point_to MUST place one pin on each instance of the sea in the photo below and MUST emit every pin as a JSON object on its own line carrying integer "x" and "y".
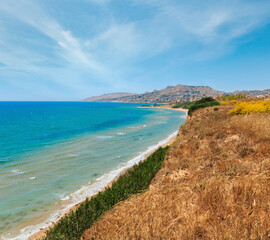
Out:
{"x": 55, "y": 154}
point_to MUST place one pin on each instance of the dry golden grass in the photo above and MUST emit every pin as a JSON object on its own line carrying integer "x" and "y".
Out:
{"x": 215, "y": 184}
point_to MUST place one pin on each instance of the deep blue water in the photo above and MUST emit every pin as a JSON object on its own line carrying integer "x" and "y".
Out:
{"x": 25, "y": 126}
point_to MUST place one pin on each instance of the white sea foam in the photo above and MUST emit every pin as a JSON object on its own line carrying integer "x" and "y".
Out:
{"x": 16, "y": 171}
{"x": 32, "y": 178}
{"x": 120, "y": 133}
{"x": 104, "y": 137}
{"x": 65, "y": 198}
{"x": 87, "y": 191}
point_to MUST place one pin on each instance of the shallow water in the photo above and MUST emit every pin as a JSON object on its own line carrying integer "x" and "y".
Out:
{"x": 54, "y": 154}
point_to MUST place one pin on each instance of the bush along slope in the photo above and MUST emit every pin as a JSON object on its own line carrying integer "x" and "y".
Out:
{"x": 133, "y": 181}
{"x": 185, "y": 105}
{"x": 202, "y": 103}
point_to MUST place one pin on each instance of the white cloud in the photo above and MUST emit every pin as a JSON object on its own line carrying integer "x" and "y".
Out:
{"x": 172, "y": 24}
{"x": 200, "y": 30}
{"x": 75, "y": 68}
{"x": 195, "y": 30}
{"x": 125, "y": 43}
{"x": 71, "y": 48}
{"x": 209, "y": 23}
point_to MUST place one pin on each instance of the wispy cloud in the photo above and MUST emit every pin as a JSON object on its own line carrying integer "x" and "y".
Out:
{"x": 114, "y": 53}
{"x": 69, "y": 65}
{"x": 71, "y": 48}
{"x": 210, "y": 23}
{"x": 194, "y": 26}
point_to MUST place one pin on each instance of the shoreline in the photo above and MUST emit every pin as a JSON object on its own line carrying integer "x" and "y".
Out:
{"x": 34, "y": 231}
{"x": 166, "y": 107}
{"x": 167, "y": 141}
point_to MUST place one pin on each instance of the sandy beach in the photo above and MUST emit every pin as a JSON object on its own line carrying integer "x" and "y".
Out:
{"x": 167, "y": 107}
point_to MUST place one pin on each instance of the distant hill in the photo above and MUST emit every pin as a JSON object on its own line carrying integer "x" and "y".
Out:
{"x": 254, "y": 93}
{"x": 170, "y": 94}
{"x": 110, "y": 97}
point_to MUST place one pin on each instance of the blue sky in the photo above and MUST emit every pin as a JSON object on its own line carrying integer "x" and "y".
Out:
{"x": 72, "y": 49}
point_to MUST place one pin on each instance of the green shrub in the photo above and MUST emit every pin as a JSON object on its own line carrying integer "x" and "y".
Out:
{"x": 202, "y": 103}
{"x": 215, "y": 108}
{"x": 205, "y": 100}
{"x": 145, "y": 105}
{"x": 133, "y": 181}
{"x": 185, "y": 105}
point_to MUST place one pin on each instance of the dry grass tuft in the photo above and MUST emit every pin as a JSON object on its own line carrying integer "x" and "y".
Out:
{"x": 215, "y": 184}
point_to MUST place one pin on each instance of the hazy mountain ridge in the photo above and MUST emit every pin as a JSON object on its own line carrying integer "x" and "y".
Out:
{"x": 254, "y": 93}
{"x": 108, "y": 97}
{"x": 170, "y": 94}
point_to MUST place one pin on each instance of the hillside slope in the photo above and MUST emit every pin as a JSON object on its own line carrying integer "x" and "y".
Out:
{"x": 110, "y": 97}
{"x": 254, "y": 93}
{"x": 168, "y": 94}
{"x": 215, "y": 184}
{"x": 176, "y": 93}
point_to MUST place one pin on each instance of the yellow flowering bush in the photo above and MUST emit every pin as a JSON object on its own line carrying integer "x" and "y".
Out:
{"x": 251, "y": 107}
{"x": 224, "y": 103}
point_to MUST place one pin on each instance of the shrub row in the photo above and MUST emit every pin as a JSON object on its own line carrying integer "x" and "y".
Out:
{"x": 185, "y": 105}
{"x": 202, "y": 103}
{"x": 133, "y": 181}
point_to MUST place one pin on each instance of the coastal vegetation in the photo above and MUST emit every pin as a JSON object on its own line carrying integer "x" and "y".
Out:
{"x": 135, "y": 180}
{"x": 214, "y": 184}
{"x": 194, "y": 105}
{"x": 184, "y": 105}
{"x": 231, "y": 97}
{"x": 261, "y": 106}
{"x": 202, "y": 103}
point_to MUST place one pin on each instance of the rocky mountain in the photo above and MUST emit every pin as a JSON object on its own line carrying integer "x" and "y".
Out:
{"x": 254, "y": 93}
{"x": 171, "y": 94}
{"x": 168, "y": 94}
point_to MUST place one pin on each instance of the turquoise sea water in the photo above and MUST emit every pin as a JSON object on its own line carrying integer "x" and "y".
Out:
{"x": 54, "y": 154}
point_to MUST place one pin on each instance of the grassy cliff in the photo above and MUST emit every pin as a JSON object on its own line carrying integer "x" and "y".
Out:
{"x": 135, "y": 180}
{"x": 214, "y": 184}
